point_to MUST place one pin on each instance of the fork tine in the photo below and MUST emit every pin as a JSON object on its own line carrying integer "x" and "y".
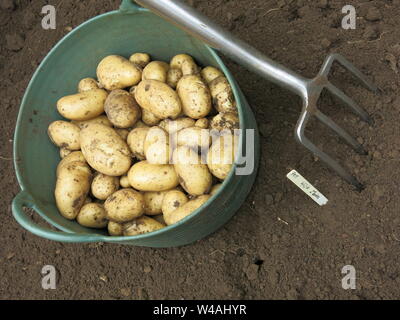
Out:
{"x": 349, "y": 66}
{"x": 302, "y": 139}
{"x": 350, "y": 102}
{"x": 341, "y": 132}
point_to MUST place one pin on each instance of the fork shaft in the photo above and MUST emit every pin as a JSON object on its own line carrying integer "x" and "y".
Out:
{"x": 204, "y": 29}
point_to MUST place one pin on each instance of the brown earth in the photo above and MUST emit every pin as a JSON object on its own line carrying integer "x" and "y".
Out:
{"x": 280, "y": 245}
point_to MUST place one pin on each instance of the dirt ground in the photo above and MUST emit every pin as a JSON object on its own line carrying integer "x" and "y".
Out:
{"x": 280, "y": 245}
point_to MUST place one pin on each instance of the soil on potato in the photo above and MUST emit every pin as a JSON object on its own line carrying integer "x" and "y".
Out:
{"x": 280, "y": 245}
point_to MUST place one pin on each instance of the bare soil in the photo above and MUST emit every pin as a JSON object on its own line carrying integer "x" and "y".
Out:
{"x": 280, "y": 245}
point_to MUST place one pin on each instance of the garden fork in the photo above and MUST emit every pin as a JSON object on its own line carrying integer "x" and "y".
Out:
{"x": 309, "y": 90}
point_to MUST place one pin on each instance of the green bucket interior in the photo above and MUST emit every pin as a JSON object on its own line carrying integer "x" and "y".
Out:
{"x": 75, "y": 57}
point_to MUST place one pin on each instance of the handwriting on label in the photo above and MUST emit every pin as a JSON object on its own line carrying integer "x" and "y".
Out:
{"x": 307, "y": 187}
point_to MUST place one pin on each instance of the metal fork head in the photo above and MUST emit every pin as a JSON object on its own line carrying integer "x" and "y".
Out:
{"x": 311, "y": 96}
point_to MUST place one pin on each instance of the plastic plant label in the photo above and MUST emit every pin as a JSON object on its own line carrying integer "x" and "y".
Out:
{"x": 307, "y": 187}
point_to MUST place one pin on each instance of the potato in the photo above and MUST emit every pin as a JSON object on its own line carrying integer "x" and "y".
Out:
{"x": 156, "y": 70}
{"x": 92, "y": 215}
{"x": 210, "y": 73}
{"x": 153, "y": 202}
{"x": 116, "y": 72}
{"x": 222, "y": 95}
{"x": 136, "y": 140}
{"x": 194, "y": 137}
{"x": 87, "y": 84}
{"x": 158, "y": 98}
{"x": 173, "y": 77}
{"x": 221, "y": 155}
{"x": 82, "y": 106}
{"x": 104, "y": 186}
{"x": 149, "y": 118}
{"x": 121, "y": 108}
{"x": 215, "y": 189}
{"x": 202, "y": 123}
{"x": 124, "y": 205}
{"x": 185, "y": 63}
{"x": 73, "y": 156}
{"x": 140, "y": 59}
{"x": 64, "y": 135}
{"x": 140, "y": 124}
{"x": 124, "y": 182}
{"x": 104, "y": 150}
{"x": 144, "y": 176}
{"x": 114, "y": 228}
{"x": 194, "y": 176}
{"x": 140, "y": 226}
{"x": 123, "y": 133}
{"x": 225, "y": 121}
{"x": 195, "y": 96}
{"x": 173, "y": 200}
{"x": 156, "y": 146}
{"x": 185, "y": 210}
{"x": 72, "y": 188}
{"x": 64, "y": 152}
{"x": 172, "y": 126}
{"x": 100, "y": 119}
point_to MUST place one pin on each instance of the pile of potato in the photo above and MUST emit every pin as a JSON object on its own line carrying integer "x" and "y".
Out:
{"x": 147, "y": 143}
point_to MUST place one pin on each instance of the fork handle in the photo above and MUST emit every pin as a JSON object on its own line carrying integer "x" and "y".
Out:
{"x": 198, "y": 25}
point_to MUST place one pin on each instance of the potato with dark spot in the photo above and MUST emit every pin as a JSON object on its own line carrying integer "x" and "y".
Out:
{"x": 194, "y": 176}
{"x": 105, "y": 151}
{"x": 104, "y": 186}
{"x": 225, "y": 121}
{"x": 185, "y": 210}
{"x": 122, "y": 109}
{"x": 195, "y": 96}
{"x": 72, "y": 188}
{"x": 124, "y": 205}
{"x": 222, "y": 95}
{"x": 158, "y": 98}
{"x": 114, "y": 229}
{"x": 116, "y": 72}
{"x": 65, "y": 135}
{"x": 92, "y": 215}
{"x": 154, "y": 201}
{"x": 141, "y": 225}
{"x": 156, "y": 70}
{"x": 87, "y": 84}
{"x": 173, "y": 77}
{"x": 140, "y": 59}
{"x": 82, "y": 106}
{"x": 172, "y": 200}
{"x": 144, "y": 176}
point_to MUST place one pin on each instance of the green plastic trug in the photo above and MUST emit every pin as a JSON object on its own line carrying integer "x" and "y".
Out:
{"x": 130, "y": 29}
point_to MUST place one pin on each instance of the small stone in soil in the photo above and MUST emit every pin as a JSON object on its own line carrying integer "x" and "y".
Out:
{"x": 325, "y": 43}
{"x": 373, "y": 14}
{"x": 147, "y": 269}
{"x": 126, "y": 292}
